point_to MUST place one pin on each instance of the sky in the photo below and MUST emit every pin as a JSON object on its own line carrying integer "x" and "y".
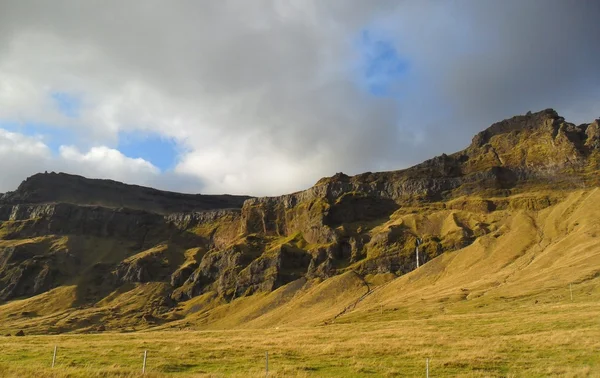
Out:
{"x": 266, "y": 97}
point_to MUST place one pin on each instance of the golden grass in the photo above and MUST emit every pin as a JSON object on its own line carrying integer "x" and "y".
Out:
{"x": 515, "y": 339}
{"x": 500, "y": 307}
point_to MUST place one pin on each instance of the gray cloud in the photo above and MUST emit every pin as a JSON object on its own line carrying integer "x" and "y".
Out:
{"x": 264, "y": 95}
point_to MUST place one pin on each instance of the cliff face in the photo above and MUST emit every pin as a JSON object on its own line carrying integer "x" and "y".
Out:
{"x": 46, "y": 245}
{"x": 103, "y": 236}
{"x": 538, "y": 149}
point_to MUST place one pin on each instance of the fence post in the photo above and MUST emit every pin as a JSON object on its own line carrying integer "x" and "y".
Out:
{"x": 54, "y": 356}
{"x": 427, "y": 368}
{"x": 144, "y": 365}
{"x": 266, "y": 364}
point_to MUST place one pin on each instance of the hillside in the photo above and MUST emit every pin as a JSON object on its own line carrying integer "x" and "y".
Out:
{"x": 513, "y": 217}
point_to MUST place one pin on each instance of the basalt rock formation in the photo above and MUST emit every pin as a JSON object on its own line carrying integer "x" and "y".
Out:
{"x": 104, "y": 237}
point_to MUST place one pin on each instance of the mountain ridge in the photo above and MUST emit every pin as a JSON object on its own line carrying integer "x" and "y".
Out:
{"x": 584, "y": 138}
{"x": 62, "y": 187}
{"x": 366, "y": 225}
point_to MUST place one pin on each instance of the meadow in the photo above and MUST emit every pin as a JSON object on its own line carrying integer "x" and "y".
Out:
{"x": 500, "y": 307}
{"x": 522, "y": 339}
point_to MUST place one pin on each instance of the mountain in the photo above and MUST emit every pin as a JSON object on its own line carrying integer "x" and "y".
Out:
{"x": 91, "y": 255}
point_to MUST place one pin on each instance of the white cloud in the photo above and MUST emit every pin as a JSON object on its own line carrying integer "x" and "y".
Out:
{"x": 107, "y": 162}
{"x": 246, "y": 166}
{"x": 262, "y": 97}
{"x": 22, "y": 145}
{"x": 20, "y": 156}
{"x": 23, "y": 156}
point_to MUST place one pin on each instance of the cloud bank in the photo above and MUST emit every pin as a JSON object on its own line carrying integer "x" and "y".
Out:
{"x": 266, "y": 97}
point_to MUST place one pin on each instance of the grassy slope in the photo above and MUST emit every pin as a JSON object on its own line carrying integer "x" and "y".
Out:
{"x": 499, "y": 307}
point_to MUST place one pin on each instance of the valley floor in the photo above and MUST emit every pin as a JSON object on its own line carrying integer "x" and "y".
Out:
{"x": 516, "y": 338}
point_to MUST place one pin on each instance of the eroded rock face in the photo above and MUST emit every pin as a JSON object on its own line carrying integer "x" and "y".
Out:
{"x": 68, "y": 219}
{"x": 272, "y": 270}
{"x": 60, "y": 242}
{"x": 217, "y": 271}
{"x": 191, "y": 219}
{"x": 29, "y": 269}
{"x": 144, "y": 267}
{"x": 592, "y": 132}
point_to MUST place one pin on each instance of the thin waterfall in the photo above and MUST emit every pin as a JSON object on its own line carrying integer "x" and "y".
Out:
{"x": 417, "y": 250}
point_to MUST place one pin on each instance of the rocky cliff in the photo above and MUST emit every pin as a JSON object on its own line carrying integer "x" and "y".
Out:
{"x": 102, "y": 237}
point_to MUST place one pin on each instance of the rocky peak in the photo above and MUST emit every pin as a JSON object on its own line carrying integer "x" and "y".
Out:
{"x": 592, "y": 132}
{"x": 338, "y": 177}
{"x": 547, "y": 118}
{"x": 536, "y": 143}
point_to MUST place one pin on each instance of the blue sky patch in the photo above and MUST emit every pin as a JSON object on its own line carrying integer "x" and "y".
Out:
{"x": 53, "y": 137}
{"x": 68, "y": 104}
{"x": 160, "y": 151}
{"x": 381, "y": 65}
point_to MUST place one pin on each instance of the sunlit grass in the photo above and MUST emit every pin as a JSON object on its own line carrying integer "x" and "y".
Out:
{"x": 500, "y": 307}
{"x": 560, "y": 339}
